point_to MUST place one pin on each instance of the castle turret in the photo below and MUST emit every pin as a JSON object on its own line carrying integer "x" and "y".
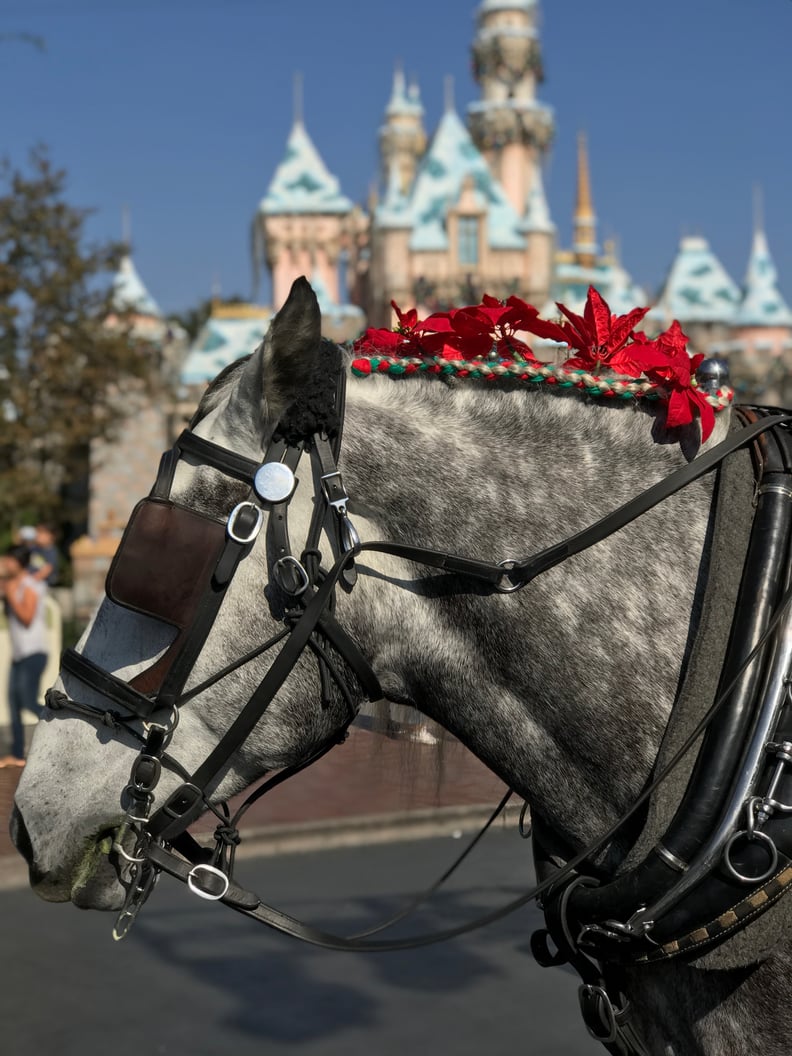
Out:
{"x": 402, "y": 137}
{"x": 508, "y": 124}
{"x": 304, "y": 224}
{"x": 762, "y": 347}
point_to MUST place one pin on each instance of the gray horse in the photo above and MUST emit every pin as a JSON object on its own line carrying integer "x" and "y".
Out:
{"x": 563, "y": 689}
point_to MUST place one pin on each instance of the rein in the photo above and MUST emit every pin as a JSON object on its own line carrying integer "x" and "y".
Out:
{"x": 308, "y": 592}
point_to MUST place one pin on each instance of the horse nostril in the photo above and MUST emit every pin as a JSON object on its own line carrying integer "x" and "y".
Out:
{"x": 19, "y": 835}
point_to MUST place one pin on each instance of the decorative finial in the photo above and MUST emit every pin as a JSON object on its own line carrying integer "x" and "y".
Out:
{"x": 449, "y": 93}
{"x": 758, "y": 208}
{"x": 126, "y": 227}
{"x": 298, "y": 98}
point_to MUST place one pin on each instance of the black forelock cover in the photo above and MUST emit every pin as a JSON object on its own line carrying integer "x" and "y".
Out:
{"x": 314, "y": 410}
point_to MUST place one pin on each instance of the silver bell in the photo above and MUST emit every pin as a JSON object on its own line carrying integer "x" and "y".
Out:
{"x": 713, "y": 374}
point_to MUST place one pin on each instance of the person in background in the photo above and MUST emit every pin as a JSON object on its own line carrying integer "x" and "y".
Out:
{"x": 23, "y": 597}
{"x": 44, "y": 555}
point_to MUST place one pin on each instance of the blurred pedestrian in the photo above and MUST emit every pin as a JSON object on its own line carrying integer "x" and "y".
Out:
{"x": 23, "y": 598}
{"x": 44, "y": 555}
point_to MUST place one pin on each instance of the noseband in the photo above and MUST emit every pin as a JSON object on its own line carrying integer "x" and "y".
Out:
{"x": 176, "y": 564}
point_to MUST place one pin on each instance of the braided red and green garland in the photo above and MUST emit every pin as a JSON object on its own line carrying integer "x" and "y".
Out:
{"x": 480, "y": 341}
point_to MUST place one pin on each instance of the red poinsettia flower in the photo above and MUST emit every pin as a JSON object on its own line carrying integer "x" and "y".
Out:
{"x": 401, "y": 341}
{"x": 667, "y": 362}
{"x": 407, "y": 320}
{"x": 492, "y": 326}
{"x": 598, "y": 336}
{"x": 377, "y": 342}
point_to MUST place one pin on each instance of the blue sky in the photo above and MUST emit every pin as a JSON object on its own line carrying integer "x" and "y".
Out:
{"x": 180, "y": 109}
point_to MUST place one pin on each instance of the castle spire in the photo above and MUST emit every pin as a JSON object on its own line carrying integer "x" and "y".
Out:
{"x": 402, "y": 137}
{"x": 585, "y": 221}
{"x": 448, "y": 93}
{"x": 762, "y": 303}
{"x": 297, "y": 102}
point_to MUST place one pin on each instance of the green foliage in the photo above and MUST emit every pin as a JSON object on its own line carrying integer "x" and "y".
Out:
{"x": 66, "y": 355}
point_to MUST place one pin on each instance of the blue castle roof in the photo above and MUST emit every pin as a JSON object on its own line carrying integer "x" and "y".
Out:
{"x": 129, "y": 292}
{"x": 698, "y": 288}
{"x": 451, "y": 158}
{"x": 220, "y": 342}
{"x": 762, "y": 303}
{"x": 302, "y": 182}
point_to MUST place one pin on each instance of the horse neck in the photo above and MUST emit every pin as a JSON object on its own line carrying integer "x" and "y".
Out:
{"x": 563, "y": 689}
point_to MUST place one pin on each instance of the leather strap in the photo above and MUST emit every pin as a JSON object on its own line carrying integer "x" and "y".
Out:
{"x": 228, "y": 462}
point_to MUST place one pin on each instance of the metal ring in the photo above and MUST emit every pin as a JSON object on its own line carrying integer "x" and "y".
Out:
{"x": 169, "y": 727}
{"x": 212, "y": 870}
{"x": 350, "y": 540}
{"x": 595, "y": 1001}
{"x": 522, "y": 828}
{"x": 120, "y": 850}
{"x": 504, "y": 584}
{"x": 770, "y": 847}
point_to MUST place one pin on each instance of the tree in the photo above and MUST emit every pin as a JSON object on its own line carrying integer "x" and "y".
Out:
{"x": 62, "y": 364}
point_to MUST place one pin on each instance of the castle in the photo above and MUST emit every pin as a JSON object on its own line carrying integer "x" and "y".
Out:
{"x": 457, "y": 214}
{"x": 464, "y": 212}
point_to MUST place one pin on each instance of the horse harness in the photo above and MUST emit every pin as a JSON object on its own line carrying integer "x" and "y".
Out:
{"x": 717, "y": 866}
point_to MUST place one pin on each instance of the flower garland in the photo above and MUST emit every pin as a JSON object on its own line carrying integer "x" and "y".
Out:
{"x": 480, "y": 341}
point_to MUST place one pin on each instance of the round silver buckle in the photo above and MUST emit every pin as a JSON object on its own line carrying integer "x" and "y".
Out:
{"x": 210, "y": 870}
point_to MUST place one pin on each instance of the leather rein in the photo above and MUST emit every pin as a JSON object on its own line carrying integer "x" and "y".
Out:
{"x": 309, "y": 625}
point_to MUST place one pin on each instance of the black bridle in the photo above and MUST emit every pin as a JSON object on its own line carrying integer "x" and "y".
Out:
{"x": 309, "y": 624}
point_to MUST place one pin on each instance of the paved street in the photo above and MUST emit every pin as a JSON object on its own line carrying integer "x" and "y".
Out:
{"x": 196, "y": 979}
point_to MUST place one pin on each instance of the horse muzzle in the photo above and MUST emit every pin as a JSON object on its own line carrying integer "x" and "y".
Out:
{"x": 90, "y": 880}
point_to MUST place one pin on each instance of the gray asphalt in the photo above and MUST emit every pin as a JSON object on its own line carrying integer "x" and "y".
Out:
{"x": 196, "y": 979}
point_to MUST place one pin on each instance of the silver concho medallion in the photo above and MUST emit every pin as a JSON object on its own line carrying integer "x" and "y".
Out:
{"x": 274, "y": 482}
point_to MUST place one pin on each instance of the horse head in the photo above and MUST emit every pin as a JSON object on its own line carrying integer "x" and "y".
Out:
{"x": 540, "y": 684}
{"x": 71, "y": 799}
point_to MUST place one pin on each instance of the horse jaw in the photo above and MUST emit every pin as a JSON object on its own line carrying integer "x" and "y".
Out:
{"x": 66, "y": 834}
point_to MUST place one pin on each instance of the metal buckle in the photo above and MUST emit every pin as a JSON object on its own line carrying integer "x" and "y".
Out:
{"x": 213, "y": 871}
{"x": 231, "y": 524}
{"x": 350, "y": 540}
{"x": 341, "y": 502}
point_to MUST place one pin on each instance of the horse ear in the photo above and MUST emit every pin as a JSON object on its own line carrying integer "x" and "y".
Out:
{"x": 290, "y": 352}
